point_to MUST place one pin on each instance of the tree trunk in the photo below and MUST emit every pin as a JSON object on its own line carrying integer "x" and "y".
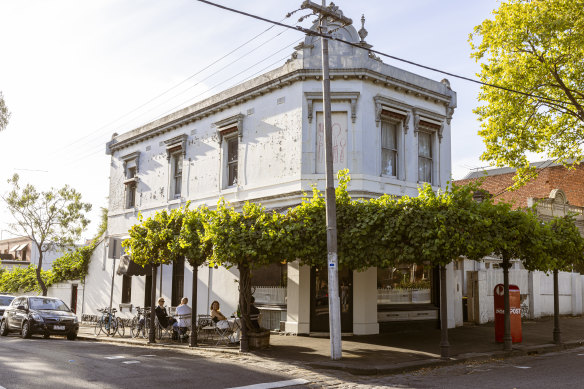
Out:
{"x": 444, "y": 344}
{"x": 193, "y": 342}
{"x": 244, "y": 301}
{"x": 507, "y": 340}
{"x": 152, "y": 332}
{"x": 557, "y": 332}
{"x": 38, "y": 273}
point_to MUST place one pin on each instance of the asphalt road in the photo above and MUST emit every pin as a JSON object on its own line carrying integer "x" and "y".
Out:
{"x": 553, "y": 370}
{"x": 59, "y": 363}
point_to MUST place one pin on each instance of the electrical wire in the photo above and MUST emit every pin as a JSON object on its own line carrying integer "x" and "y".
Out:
{"x": 316, "y": 33}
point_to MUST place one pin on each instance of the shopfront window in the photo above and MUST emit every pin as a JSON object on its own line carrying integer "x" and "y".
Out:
{"x": 404, "y": 284}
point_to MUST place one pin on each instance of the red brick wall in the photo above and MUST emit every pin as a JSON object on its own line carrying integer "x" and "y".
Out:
{"x": 556, "y": 177}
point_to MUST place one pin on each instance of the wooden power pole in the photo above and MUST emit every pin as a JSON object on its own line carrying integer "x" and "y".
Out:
{"x": 331, "y": 209}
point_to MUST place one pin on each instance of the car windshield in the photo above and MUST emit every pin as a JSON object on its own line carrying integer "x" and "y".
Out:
{"x": 47, "y": 304}
{"x": 6, "y": 300}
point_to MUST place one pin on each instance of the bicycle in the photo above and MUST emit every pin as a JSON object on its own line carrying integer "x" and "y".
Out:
{"x": 109, "y": 323}
{"x": 140, "y": 323}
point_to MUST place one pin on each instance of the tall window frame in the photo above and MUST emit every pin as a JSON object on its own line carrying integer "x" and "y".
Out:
{"x": 230, "y": 132}
{"x": 428, "y": 129}
{"x": 131, "y": 167}
{"x": 176, "y": 151}
{"x": 126, "y": 289}
{"x": 395, "y": 115}
{"x": 425, "y": 157}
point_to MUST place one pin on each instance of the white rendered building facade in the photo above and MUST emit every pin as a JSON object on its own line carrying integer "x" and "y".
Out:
{"x": 263, "y": 141}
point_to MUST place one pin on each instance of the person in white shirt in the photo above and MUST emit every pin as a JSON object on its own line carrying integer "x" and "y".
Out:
{"x": 183, "y": 315}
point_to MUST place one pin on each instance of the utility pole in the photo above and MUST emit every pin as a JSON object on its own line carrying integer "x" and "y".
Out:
{"x": 331, "y": 208}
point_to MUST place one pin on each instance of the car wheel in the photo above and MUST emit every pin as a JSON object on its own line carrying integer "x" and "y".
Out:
{"x": 3, "y": 328}
{"x": 71, "y": 336}
{"x": 25, "y": 332}
{"x": 46, "y": 335}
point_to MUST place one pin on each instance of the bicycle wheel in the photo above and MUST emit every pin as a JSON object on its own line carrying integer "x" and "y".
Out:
{"x": 111, "y": 326}
{"x": 146, "y": 328}
{"x": 97, "y": 329}
{"x": 135, "y": 327}
{"x": 120, "y": 329}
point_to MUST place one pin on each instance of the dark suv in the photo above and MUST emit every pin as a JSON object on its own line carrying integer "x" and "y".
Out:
{"x": 39, "y": 315}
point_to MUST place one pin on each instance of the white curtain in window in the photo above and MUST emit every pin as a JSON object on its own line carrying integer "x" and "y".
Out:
{"x": 424, "y": 157}
{"x": 388, "y": 149}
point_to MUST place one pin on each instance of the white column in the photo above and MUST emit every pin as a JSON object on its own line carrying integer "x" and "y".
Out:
{"x": 298, "y": 299}
{"x": 365, "y": 302}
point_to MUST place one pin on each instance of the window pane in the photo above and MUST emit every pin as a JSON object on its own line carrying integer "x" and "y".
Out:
{"x": 232, "y": 174}
{"x": 388, "y": 135}
{"x": 232, "y": 150}
{"x": 424, "y": 170}
{"x": 388, "y": 162}
{"x": 424, "y": 145}
{"x": 406, "y": 284}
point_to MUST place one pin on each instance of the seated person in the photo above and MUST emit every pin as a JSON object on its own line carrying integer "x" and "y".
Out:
{"x": 254, "y": 314}
{"x": 222, "y": 322}
{"x": 163, "y": 318}
{"x": 183, "y": 313}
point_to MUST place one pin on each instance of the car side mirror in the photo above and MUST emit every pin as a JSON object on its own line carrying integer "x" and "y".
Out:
{"x": 21, "y": 307}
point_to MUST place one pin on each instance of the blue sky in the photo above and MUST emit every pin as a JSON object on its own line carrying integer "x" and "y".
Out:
{"x": 74, "y": 72}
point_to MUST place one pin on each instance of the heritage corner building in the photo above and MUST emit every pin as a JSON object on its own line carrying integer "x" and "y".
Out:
{"x": 263, "y": 141}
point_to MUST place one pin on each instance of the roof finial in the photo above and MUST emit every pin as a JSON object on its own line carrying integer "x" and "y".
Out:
{"x": 363, "y": 32}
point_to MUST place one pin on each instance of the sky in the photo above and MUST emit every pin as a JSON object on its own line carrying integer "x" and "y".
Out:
{"x": 75, "y": 72}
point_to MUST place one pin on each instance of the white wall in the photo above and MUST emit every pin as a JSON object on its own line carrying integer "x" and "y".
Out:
{"x": 536, "y": 289}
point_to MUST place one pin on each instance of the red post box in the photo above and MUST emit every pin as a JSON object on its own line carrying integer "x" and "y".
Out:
{"x": 515, "y": 307}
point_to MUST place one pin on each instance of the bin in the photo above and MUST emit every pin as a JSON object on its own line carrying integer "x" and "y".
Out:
{"x": 515, "y": 308}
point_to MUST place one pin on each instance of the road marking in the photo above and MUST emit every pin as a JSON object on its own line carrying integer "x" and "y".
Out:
{"x": 580, "y": 354}
{"x": 130, "y": 362}
{"x": 277, "y": 384}
{"x": 522, "y": 367}
{"x": 116, "y": 357}
{"x": 149, "y": 355}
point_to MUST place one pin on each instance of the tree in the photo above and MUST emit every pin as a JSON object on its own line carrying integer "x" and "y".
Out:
{"x": 565, "y": 247}
{"x": 533, "y": 46}
{"x": 52, "y": 219}
{"x": 4, "y": 113}
{"x": 156, "y": 241}
{"x": 197, "y": 248}
{"x": 247, "y": 239}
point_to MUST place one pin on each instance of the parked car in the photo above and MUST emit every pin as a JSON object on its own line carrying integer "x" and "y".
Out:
{"x": 5, "y": 301}
{"x": 39, "y": 315}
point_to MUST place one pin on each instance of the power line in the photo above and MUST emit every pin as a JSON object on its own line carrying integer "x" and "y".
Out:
{"x": 105, "y": 126}
{"x": 316, "y": 33}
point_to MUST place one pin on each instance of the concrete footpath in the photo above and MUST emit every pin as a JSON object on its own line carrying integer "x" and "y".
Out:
{"x": 396, "y": 352}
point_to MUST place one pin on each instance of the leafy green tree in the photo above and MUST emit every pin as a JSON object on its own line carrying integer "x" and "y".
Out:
{"x": 197, "y": 248}
{"x": 52, "y": 219}
{"x": 4, "y": 113}
{"x": 155, "y": 241}
{"x": 74, "y": 265}
{"x": 565, "y": 248}
{"x": 534, "y": 46}
{"x": 247, "y": 239}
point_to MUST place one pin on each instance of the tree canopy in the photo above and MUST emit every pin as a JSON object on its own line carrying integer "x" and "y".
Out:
{"x": 51, "y": 219}
{"x": 533, "y": 46}
{"x": 4, "y": 113}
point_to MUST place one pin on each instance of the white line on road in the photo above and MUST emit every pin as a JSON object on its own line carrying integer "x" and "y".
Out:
{"x": 277, "y": 384}
{"x": 116, "y": 357}
{"x": 130, "y": 362}
{"x": 523, "y": 367}
{"x": 149, "y": 355}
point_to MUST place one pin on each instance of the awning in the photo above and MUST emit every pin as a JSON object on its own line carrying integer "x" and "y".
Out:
{"x": 20, "y": 247}
{"x": 129, "y": 268}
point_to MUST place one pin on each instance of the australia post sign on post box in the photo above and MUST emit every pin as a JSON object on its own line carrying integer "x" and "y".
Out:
{"x": 515, "y": 307}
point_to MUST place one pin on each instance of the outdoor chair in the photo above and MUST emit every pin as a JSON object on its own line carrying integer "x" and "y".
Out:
{"x": 163, "y": 332}
{"x": 183, "y": 326}
{"x": 205, "y": 328}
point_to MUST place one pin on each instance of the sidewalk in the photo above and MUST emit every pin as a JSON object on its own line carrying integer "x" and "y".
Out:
{"x": 398, "y": 351}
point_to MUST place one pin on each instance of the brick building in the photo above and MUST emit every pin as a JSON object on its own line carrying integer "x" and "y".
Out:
{"x": 552, "y": 176}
